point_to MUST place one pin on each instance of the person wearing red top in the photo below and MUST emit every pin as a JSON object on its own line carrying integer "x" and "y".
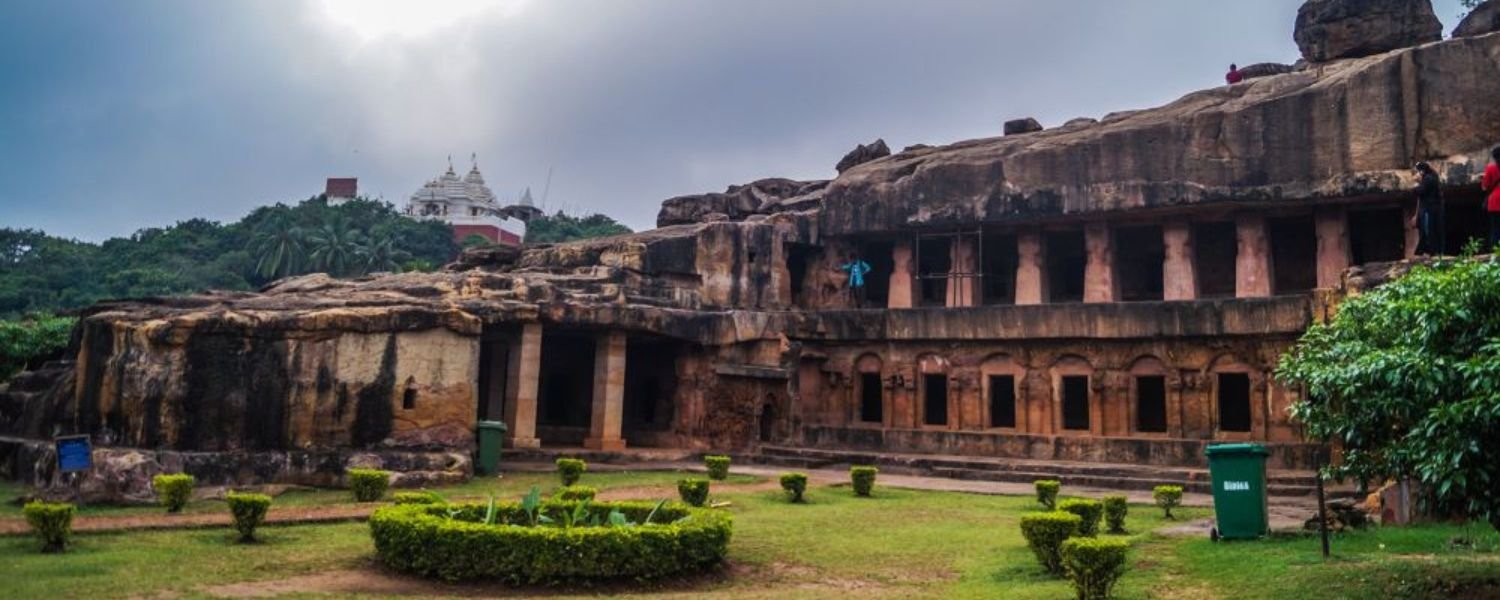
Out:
{"x": 1234, "y": 76}
{"x": 1491, "y": 183}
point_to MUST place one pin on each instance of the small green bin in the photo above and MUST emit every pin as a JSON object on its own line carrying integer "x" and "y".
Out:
{"x": 491, "y": 433}
{"x": 1239, "y": 479}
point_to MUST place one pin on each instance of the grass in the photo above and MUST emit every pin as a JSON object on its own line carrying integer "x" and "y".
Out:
{"x": 898, "y": 544}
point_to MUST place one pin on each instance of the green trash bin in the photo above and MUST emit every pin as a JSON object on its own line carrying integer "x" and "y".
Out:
{"x": 1239, "y": 479}
{"x": 491, "y": 433}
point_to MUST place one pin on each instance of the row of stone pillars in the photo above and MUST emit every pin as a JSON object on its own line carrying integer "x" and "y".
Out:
{"x": 523, "y": 379}
{"x": 1253, "y": 267}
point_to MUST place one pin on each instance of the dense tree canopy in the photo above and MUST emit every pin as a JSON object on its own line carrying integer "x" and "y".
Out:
{"x": 1406, "y": 378}
{"x": 24, "y": 342}
{"x": 562, "y": 227}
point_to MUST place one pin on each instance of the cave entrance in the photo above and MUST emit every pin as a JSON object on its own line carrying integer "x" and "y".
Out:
{"x": 1215, "y": 246}
{"x": 1002, "y": 401}
{"x": 1377, "y": 235}
{"x": 998, "y": 264}
{"x": 650, "y": 389}
{"x": 1294, "y": 254}
{"x": 1139, "y": 255}
{"x": 494, "y": 371}
{"x": 566, "y": 389}
{"x": 1151, "y": 403}
{"x": 798, "y": 257}
{"x": 1067, "y": 259}
{"x": 878, "y": 280}
{"x": 934, "y": 399}
{"x": 934, "y": 263}
{"x": 1465, "y": 219}
{"x": 871, "y": 398}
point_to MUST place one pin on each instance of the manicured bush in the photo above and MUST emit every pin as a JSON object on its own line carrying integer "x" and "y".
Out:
{"x": 795, "y": 485}
{"x": 863, "y": 479}
{"x": 693, "y": 490}
{"x": 368, "y": 485}
{"x": 174, "y": 491}
{"x": 1088, "y": 510}
{"x": 1094, "y": 565}
{"x": 52, "y": 523}
{"x": 577, "y": 493}
{"x": 1046, "y": 492}
{"x": 417, "y": 498}
{"x": 453, "y": 543}
{"x": 570, "y": 470}
{"x": 718, "y": 467}
{"x": 1115, "y": 509}
{"x": 1167, "y": 497}
{"x": 1045, "y": 532}
{"x": 249, "y": 512}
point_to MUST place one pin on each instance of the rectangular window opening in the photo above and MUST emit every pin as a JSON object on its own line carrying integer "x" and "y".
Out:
{"x": 1066, "y": 261}
{"x": 999, "y": 262}
{"x": 1151, "y": 404}
{"x": 1002, "y": 401}
{"x": 1214, "y": 250}
{"x": 1075, "y": 402}
{"x": 871, "y": 398}
{"x": 935, "y": 399}
{"x": 1234, "y": 402}
{"x": 1294, "y": 254}
{"x": 1139, "y": 254}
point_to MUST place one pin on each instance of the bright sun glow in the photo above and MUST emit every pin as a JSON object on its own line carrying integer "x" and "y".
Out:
{"x": 408, "y": 18}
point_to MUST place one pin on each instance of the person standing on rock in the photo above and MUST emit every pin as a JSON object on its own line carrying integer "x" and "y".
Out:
{"x": 856, "y": 269}
{"x": 1491, "y": 184}
{"x": 1429, "y": 218}
{"x": 1234, "y": 75}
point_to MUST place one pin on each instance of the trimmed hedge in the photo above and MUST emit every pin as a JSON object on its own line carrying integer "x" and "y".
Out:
{"x": 452, "y": 542}
{"x": 1115, "y": 509}
{"x": 417, "y": 498}
{"x": 570, "y": 470}
{"x": 863, "y": 479}
{"x": 249, "y": 512}
{"x": 173, "y": 490}
{"x": 576, "y": 493}
{"x": 1046, "y": 492}
{"x": 693, "y": 491}
{"x": 795, "y": 485}
{"x": 1167, "y": 497}
{"x": 52, "y": 523}
{"x": 1094, "y": 565}
{"x": 1045, "y": 533}
{"x": 1088, "y": 510}
{"x": 718, "y": 467}
{"x": 368, "y": 485}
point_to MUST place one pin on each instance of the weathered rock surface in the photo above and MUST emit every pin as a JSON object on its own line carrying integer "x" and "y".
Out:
{"x": 765, "y": 196}
{"x": 1266, "y": 69}
{"x": 1485, "y": 18}
{"x": 1333, "y": 29}
{"x": 862, "y": 154}
{"x": 1020, "y": 126}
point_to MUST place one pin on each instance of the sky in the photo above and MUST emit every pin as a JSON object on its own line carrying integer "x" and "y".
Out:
{"x": 116, "y": 116}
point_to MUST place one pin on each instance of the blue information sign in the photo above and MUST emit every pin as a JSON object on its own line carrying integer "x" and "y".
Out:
{"x": 74, "y": 453}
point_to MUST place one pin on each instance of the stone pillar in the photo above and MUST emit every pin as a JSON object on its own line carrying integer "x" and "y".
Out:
{"x": 1179, "y": 272}
{"x": 1252, "y": 261}
{"x": 1031, "y": 272}
{"x": 609, "y": 393}
{"x": 1099, "y": 273}
{"x": 523, "y": 374}
{"x": 900, "y": 295}
{"x": 1409, "y": 225}
{"x": 1333, "y": 245}
{"x": 964, "y": 258}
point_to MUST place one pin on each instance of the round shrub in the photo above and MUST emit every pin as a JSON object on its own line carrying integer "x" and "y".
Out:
{"x": 249, "y": 511}
{"x": 1045, "y": 532}
{"x": 174, "y": 491}
{"x": 795, "y": 485}
{"x": 694, "y": 491}
{"x": 577, "y": 493}
{"x": 368, "y": 485}
{"x": 863, "y": 479}
{"x": 1115, "y": 509}
{"x": 1167, "y": 497}
{"x": 1088, "y": 510}
{"x": 417, "y": 498}
{"x": 1094, "y": 565}
{"x": 718, "y": 467}
{"x": 645, "y": 541}
{"x": 1046, "y": 492}
{"x": 52, "y": 523}
{"x": 570, "y": 470}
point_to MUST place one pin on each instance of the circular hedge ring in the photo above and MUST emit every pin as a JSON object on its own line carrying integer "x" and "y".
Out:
{"x": 611, "y": 540}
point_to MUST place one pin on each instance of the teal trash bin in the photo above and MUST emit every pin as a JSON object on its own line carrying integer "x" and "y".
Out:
{"x": 491, "y": 435}
{"x": 1239, "y": 479}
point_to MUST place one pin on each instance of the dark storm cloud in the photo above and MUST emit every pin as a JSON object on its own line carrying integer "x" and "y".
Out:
{"x": 116, "y": 116}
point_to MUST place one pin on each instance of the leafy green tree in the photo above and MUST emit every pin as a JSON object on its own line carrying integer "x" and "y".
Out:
{"x": 1406, "y": 379}
{"x": 562, "y": 227}
{"x": 335, "y": 246}
{"x": 473, "y": 240}
{"x": 383, "y": 255}
{"x": 279, "y": 247}
{"x": 31, "y": 339}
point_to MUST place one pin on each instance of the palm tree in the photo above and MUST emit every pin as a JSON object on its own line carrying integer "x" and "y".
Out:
{"x": 279, "y": 248}
{"x": 383, "y": 255}
{"x": 335, "y": 246}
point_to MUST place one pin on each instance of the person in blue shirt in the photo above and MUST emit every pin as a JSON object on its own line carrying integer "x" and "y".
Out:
{"x": 856, "y": 269}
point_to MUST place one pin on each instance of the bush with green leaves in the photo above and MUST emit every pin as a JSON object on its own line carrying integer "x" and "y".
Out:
{"x": 28, "y": 341}
{"x": 577, "y": 493}
{"x": 795, "y": 485}
{"x": 1094, "y": 565}
{"x": 718, "y": 467}
{"x": 51, "y": 522}
{"x": 1089, "y": 511}
{"x": 249, "y": 511}
{"x": 1045, "y": 533}
{"x": 1167, "y": 497}
{"x": 419, "y": 497}
{"x": 1046, "y": 492}
{"x": 173, "y": 490}
{"x": 1115, "y": 509}
{"x": 368, "y": 485}
{"x": 863, "y": 479}
{"x": 693, "y": 491}
{"x": 571, "y": 470}
{"x": 554, "y": 542}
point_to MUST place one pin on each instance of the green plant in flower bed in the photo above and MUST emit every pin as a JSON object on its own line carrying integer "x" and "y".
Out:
{"x": 694, "y": 491}
{"x": 795, "y": 485}
{"x": 863, "y": 479}
{"x": 417, "y": 498}
{"x": 52, "y": 523}
{"x": 1045, "y": 533}
{"x": 1088, "y": 510}
{"x": 174, "y": 490}
{"x": 1094, "y": 565}
{"x": 718, "y": 467}
{"x": 552, "y": 542}
{"x": 1167, "y": 497}
{"x": 577, "y": 493}
{"x": 368, "y": 485}
{"x": 570, "y": 470}
{"x": 1046, "y": 492}
{"x": 1115, "y": 509}
{"x": 249, "y": 511}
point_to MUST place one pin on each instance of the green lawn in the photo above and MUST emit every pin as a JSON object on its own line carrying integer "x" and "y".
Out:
{"x": 899, "y": 544}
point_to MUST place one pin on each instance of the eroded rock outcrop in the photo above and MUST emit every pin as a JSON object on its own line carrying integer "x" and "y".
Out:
{"x": 1020, "y": 126}
{"x": 765, "y": 196}
{"x": 1333, "y": 29}
{"x": 862, "y": 154}
{"x": 1485, "y": 18}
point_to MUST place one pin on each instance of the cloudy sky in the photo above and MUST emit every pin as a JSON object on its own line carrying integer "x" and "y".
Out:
{"x": 121, "y": 115}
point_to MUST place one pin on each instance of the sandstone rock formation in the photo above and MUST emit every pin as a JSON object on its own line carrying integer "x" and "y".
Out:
{"x": 1485, "y": 18}
{"x": 1020, "y": 126}
{"x": 1333, "y": 29}
{"x": 1265, "y": 69}
{"x": 862, "y": 154}
{"x": 764, "y": 196}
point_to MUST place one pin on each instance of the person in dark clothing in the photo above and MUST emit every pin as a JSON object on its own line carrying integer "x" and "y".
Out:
{"x": 1491, "y": 183}
{"x": 1429, "y": 217}
{"x": 1234, "y": 75}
